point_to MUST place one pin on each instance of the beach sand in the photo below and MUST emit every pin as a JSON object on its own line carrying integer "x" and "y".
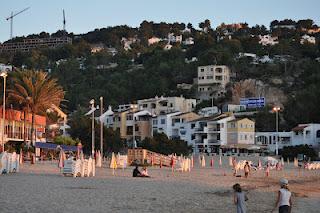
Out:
{"x": 41, "y": 188}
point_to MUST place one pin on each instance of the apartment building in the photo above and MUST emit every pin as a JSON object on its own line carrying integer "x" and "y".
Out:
{"x": 240, "y": 131}
{"x": 209, "y": 133}
{"x": 162, "y": 123}
{"x": 138, "y": 125}
{"x": 180, "y": 125}
{"x": 163, "y": 105}
{"x": 29, "y": 44}
{"x": 211, "y": 81}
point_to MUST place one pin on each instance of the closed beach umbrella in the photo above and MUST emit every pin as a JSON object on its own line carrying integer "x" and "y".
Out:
{"x": 212, "y": 162}
{"x": 62, "y": 157}
{"x": 113, "y": 163}
{"x": 220, "y": 161}
{"x": 192, "y": 161}
{"x": 21, "y": 157}
{"x": 230, "y": 161}
{"x": 203, "y": 163}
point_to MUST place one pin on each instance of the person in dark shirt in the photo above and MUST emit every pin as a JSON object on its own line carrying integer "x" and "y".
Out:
{"x": 136, "y": 172}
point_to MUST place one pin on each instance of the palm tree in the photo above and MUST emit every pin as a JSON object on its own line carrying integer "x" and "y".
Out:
{"x": 35, "y": 92}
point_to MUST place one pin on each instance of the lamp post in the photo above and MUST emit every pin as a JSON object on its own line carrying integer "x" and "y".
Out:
{"x": 101, "y": 126}
{"x": 92, "y": 127}
{"x": 276, "y": 109}
{"x": 3, "y": 74}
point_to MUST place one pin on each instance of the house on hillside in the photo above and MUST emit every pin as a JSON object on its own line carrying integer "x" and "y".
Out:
{"x": 266, "y": 40}
{"x": 306, "y": 39}
{"x": 211, "y": 81}
{"x": 154, "y": 40}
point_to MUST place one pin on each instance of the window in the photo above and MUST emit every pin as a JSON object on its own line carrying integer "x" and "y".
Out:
{"x": 193, "y": 137}
{"x": 211, "y": 69}
{"x": 193, "y": 126}
{"x": 153, "y": 105}
{"x": 245, "y": 137}
{"x": 219, "y": 70}
{"x": 171, "y": 104}
{"x": 144, "y": 105}
{"x": 202, "y": 69}
{"x": 218, "y": 77}
{"x": 318, "y": 134}
{"x": 209, "y": 77}
{"x": 163, "y": 121}
{"x": 155, "y": 122}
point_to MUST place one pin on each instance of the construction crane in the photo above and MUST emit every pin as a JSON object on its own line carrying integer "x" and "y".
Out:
{"x": 11, "y": 19}
{"x": 64, "y": 21}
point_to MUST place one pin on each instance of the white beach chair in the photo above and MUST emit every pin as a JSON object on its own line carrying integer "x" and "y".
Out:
{"x": 67, "y": 168}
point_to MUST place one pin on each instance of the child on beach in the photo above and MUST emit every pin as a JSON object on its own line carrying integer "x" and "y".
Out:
{"x": 284, "y": 197}
{"x": 144, "y": 172}
{"x": 246, "y": 169}
{"x": 239, "y": 198}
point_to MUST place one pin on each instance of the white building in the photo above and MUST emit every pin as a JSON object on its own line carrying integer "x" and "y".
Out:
{"x": 161, "y": 105}
{"x": 268, "y": 40}
{"x": 188, "y": 41}
{"x": 163, "y": 123}
{"x": 107, "y": 117}
{"x": 127, "y": 42}
{"x": 209, "y": 133}
{"x": 303, "y": 134}
{"x": 306, "y": 39}
{"x": 154, "y": 40}
{"x": 4, "y": 67}
{"x": 209, "y": 111}
{"x": 233, "y": 108}
{"x": 174, "y": 39}
{"x": 212, "y": 80}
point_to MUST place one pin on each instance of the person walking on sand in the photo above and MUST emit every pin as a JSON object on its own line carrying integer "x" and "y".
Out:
{"x": 267, "y": 170}
{"x": 246, "y": 169}
{"x": 284, "y": 197}
{"x": 239, "y": 198}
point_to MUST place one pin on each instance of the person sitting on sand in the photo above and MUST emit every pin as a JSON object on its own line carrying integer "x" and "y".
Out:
{"x": 239, "y": 198}
{"x": 136, "y": 172}
{"x": 144, "y": 172}
{"x": 284, "y": 197}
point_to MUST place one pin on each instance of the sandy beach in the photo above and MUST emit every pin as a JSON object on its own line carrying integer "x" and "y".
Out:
{"x": 41, "y": 188}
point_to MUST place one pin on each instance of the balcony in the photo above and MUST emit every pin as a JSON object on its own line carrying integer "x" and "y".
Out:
{"x": 213, "y": 130}
{"x": 201, "y": 130}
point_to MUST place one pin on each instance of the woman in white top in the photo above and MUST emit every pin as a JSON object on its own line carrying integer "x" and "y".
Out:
{"x": 284, "y": 197}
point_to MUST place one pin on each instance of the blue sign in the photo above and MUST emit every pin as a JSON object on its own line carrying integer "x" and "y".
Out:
{"x": 253, "y": 102}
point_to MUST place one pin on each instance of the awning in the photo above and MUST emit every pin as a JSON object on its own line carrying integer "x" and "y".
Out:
{"x": 55, "y": 146}
{"x": 299, "y": 128}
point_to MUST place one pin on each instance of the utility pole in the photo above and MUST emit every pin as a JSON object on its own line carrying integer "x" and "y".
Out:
{"x": 101, "y": 126}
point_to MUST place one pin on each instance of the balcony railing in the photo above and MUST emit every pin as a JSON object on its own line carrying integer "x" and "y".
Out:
{"x": 215, "y": 141}
{"x": 214, "y": 129}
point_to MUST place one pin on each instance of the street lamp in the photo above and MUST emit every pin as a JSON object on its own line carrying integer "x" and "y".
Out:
{"x": 276, "y": 109}
{"x": 3, "y": 74}
{"x": 101, "y": 126}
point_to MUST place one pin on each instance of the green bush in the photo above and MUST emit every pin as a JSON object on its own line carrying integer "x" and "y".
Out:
{"x": 65, "y": 140}
{"x": 293, "y": 151}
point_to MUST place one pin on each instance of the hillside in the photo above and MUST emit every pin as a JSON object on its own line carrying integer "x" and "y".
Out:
{"x": 124, "y": 64}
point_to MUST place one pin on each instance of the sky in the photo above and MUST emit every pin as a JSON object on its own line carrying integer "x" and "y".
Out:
{"x": 86, "y": 15}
